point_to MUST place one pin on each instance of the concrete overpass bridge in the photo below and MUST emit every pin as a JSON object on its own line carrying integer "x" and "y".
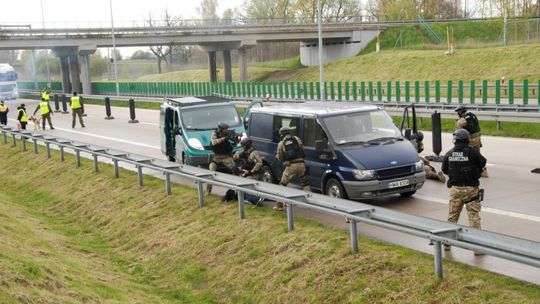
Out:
{"x": 74, "y": 45}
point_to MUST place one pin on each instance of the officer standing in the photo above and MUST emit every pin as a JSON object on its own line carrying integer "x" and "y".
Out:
{"x": 22, "y": 117}
{"x": 3, "y": 113}
{"x": 469, "y": 121}
{"x": 291, "y": 150}
{"x": 222, "y": 145}
{"x": 45, "y": 94}
{"x": 76, "y": 109}
{"x": 463, "y": 165}
{"x": 45, "y": 111}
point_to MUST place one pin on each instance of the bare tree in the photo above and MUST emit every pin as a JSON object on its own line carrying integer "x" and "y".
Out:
{"x": 162, "y": 51}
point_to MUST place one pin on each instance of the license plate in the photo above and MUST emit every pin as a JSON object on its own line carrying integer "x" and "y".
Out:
{"x": 399, "y": 183}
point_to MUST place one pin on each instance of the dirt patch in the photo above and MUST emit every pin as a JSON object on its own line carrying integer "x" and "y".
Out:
{"x": 281, "y": 75}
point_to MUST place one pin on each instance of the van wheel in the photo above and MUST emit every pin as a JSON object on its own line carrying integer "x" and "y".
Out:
{"x": 335, "y": 189}
{"x": 267, "y": 175}
{"x": 408, "y": 193}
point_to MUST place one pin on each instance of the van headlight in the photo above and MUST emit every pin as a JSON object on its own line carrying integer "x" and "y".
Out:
{"x": 195, "y": 144}
{"x": 363, "y": 174}
{"x": 419, "y": 166}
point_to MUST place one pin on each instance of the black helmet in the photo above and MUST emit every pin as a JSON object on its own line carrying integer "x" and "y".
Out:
{"x": 462, "y": 135}
{"x": 223, "y": 126}
{"x": 419, "y": 136}
{"x": 460, "y": 109}
{"x": 246, "y": 142}
{"x": 22, "y": 105}
{"x": 284, "y": 131}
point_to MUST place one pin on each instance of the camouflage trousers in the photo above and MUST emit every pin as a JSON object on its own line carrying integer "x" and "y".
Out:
{"x": 292, "y": 170}
{"x": 476, "y": 141}
{"x": 458, "y": 197}
{"x": 225, "y": 160}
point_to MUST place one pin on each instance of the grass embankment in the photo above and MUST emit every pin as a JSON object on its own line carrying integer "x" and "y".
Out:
{"x": 71, "y": 235}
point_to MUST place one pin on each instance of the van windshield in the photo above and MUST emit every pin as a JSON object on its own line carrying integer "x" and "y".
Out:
{"x": 207, "y": 118}
{"x": 361, "y": 127}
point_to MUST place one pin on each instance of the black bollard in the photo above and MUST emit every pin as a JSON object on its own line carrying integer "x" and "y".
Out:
{"x": 132, "y": 111}
{"x": 82, "y": 106}
{"x": 64, "y": 104}
{"x": 108, "y": 108}
{"x": 56, "y": 103}
{"x": 436, "y": 131}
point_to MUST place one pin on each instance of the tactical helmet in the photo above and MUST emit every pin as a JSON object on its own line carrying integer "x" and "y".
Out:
{"x": 223, "y": 126}
{"x": 284, "y": 131}
{"x": 460, "y": 109}
{"x": 461, "y": 134}
{"x": 246, "y": 141}
{"x": 419, "y": 136}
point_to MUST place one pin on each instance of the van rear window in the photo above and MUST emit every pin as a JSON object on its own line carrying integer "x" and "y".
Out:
{"x": 261, "y": 126}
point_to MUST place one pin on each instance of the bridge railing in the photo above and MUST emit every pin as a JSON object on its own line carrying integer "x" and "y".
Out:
{"x": 437, "y": 232}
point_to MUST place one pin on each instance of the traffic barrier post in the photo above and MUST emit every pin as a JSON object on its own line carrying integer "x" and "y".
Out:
{"x": 56, "y": 103}
{"x": 64, "y": 104}
{"x": 108, "y": 108}
{"x": 132, "y": 111}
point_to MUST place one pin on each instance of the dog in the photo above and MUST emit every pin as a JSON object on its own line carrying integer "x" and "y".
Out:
{"x": 36, "y": 121}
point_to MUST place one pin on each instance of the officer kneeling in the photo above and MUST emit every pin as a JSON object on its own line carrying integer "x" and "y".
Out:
{"x": 222, "y": 145}
{"x": 463, "y": 165}
{"x": 249, "y": 164}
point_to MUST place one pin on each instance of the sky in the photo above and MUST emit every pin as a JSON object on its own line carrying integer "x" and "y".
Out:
{"x": 78, "y": 13}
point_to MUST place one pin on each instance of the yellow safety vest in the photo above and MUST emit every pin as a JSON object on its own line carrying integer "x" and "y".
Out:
{"x": 3, "y": 108}
{"x": 75, "y": 102}
{"x": 24, "y": 118}
{"x": 46, "y": 96}
{"x": 44, "y": 107}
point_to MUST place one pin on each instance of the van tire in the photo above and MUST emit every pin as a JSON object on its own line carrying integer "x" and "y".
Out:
{"x": 267, "y": 175}
{"x": 408, "y": 193}
{"x": 334, "y": 188}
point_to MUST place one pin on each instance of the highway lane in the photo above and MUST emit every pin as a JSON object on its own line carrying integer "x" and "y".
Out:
{"x": 512, "y": 193}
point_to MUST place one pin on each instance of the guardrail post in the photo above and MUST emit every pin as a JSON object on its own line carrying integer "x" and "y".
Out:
{"x": 460, "y": 91}
{"x": 437, "y": 91}
{"x": 426, "y": 91}
{"x": 96, "y": 163}
{"x": 14, "y": 140}
{"x": 140, "y": 175}
{"x": 200, "y": 192}
{"x": 132, "y": 111}
{"x": 449, "y": 91}
{"x": 5, "y": 137}
{"x": 472, "y": 91}
{"x": 108, "y": 108}
{"x": 48, "y": 145}
{"x": 362, "y": 90}
{"x": 23, "y": 139}
{"x": 484, "y": 91}
{"x": 407, "y": 91}
{"x": 290, "y": 217}
{"x": 56, "y": 104}
{"x": 64, "y": 104}
{"x": 168, "y": 183}
{"x": 525, "y": 92}
{"x": 511, "y": 91}
{"x": 416, "y": 91}
{"x": 379, "y": 91}
{"x": 62, "y": 157}
{"x": 35, "y": 145}
{"x": 241, "y": 211}
{"x": 497, "y": 92}
{"x": 370, "y": 90}
{"x": 438, "y": 259}
{"x": 77, "y": 157}
{"x": 354, "y": 235}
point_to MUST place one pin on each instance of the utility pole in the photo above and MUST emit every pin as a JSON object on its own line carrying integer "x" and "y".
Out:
{"x": 46, "y": 50}
{"x": 321, "y": 61}
{"x": 114, "y": 53}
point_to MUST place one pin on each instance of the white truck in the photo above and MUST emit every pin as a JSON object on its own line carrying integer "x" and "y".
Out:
{"x": 8, "y": 82}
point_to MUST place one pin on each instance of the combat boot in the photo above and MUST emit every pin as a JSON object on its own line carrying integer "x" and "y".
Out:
{"x": 441, "y": 176}
{"x": 278, "y": 207}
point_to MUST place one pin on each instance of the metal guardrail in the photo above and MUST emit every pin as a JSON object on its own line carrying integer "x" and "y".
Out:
{"x": 437, "y": 232}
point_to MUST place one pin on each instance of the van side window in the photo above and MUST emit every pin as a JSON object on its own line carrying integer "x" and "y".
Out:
{"x": 312, "y": 132}
{"x": 261, "y": 126}
{"x": 281, "y": 121}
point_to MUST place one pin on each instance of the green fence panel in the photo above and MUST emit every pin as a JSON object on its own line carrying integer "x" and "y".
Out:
{"x": 485, "y": 91}
{"x": 437, "y": 91}
{"x": 511, "y": 91}
{"x": 538, "y": 92}
{"x": 388, "y": 91}
{"x": 234, "y": 90}
{"x": 265, "y": 88}
{"x": 318, "y": 88}
{"x": 426, "y": 91}
{"x": 398, "y": 92}
{"x": 280, "y": 90}
{"x": 460, "y": 91}
{"x": 379, "y": 91}
{"x": 416, "y": 91}
{"x": 311, "y": 91}
{"x": 304, "y": 90}
{"x": 407, "y": 92}
{"x": 347, "y": 91}
{"x": 362, "y": 91}
{"x": 525, "y": 92}
{"x": 370, "y": 90}
{"x": 354, "y": 90}
{"x": 325, "y": 90}
{"x": 339, "y": 91}
{"x": 332, "y": 96}
{"x": 472, "y": 92}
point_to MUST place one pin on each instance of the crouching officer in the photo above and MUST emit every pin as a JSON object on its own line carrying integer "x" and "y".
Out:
{"x": 291, "y": 150}
{"x": 469, "y": 121}
{"x": 463, "y": 165}
{"x": 249, "y": 165}
{"x": 222, "y": 145}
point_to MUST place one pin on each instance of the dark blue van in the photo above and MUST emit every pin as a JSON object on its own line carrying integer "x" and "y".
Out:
{"x": 352, "y": 150}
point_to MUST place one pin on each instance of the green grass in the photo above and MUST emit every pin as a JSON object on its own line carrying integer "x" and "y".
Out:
{"x": 69, "y": 235}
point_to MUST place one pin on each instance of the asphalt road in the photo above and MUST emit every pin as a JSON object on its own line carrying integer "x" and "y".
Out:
{"x": 511, "y": 204}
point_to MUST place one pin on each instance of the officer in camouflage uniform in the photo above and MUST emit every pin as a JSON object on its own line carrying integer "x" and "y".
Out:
{"x": 291, "y": 150}
{"x": 463, "y": 165}
{"x": 222, "y": 145}
{"x": 431, "y": 172}
{"x": 250, "y": 160}
{"x": 469, "y": 121}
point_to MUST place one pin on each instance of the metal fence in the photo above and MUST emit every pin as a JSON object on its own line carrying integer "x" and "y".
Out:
{"x": 437, "y": 232}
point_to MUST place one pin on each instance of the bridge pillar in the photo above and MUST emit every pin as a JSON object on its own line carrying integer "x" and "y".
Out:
{"x": 64, "y": 70}
{"x": 242, "y": 64}
{"x": 227, "y": 65}
{"x": 212, "y": 66}
{"x": 75, "y": 73}
{"x": 84, "y": 61}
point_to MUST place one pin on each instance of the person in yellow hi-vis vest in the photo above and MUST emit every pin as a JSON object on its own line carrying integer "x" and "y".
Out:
{"x": 46, "y": 111}
{"x": 45, "y": 94}
{"x": 76, "y": 109}
{"x": 22, "y": 117}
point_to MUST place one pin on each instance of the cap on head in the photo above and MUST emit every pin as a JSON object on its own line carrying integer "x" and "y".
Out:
{"x": 223, "y": 126}
{"x": 246, "y": 142}
{"x": 462, "y": 135}
{"x": 284, "y": 131}
{"x": 460, "y": 109}
{"x": 22, "y": 105}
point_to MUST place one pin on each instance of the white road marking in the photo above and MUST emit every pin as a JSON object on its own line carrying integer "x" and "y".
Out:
{"x": 110, "y": 138}
{"x": 485, "y": 209}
